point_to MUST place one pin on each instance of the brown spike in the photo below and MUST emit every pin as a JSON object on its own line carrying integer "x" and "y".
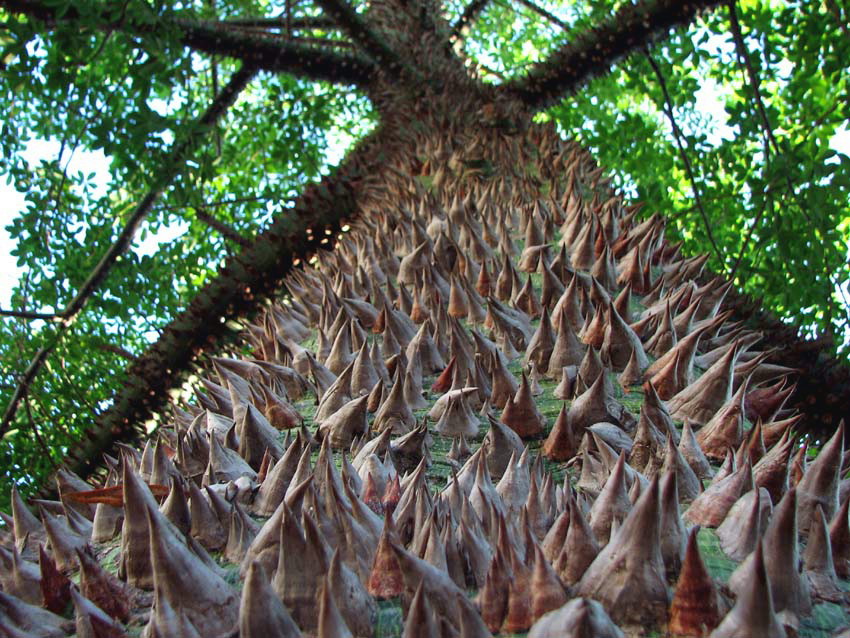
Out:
{"x": 518, "y": 616}
{"x": 420, "y": 616}
{"x": 695, "y": 610}
{"x": 753, "y": 614}
{"x": 839, "y": 538}
{"x": 700, "y": 400}
{"x": 19, "y": 577}
{"x": 628, "y": 574}
{"x": 819, "y": 485}
{"x": 789, "y": 589}
{"x": 521, "y": 413}
{"x": 580, "y": 547}
{"x": 710, "y": 508}
{"x": 562, "y": 442}
{"x": 492, "y": 599}
{"x": 578, "y": 618}
{"x": 690, "y": 449}
{"x": 547, "y": 593}
{"x": 106, "y": 591}
{"x": 385, "y": 579}
{"x": 818, "y": 563}
{"x": 261, "y": 613}
{"x": 330, "y": 621}
{"x": 55, "y": 586}
{"x": 744, "y": 524}
{"x": 726, "y": 428}
{"x": 612, "y": 503}
{"x": 186, "y": 581}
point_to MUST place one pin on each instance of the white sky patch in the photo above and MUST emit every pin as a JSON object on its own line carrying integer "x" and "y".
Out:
{"x": 841, "y": 140}
{"x": 152, "y": 241}
{"x": 13, "y": 202}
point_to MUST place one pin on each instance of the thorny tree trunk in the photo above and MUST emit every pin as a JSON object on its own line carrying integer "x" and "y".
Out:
{"x": 441, "y": 131}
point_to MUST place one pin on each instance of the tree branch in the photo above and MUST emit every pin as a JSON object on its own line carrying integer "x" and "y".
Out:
{"x": 32, "y": 316}
{"x": 116, "y": 350}
{"x": 37, "y": 434}
{"x": 749, "y": 236}
{"x": 263, "y": 53}
{"x": 755, "y": 86}
{"x": 543, "y": 13}
{"x": 240, "y": 288}
{"x": 307, "y": 23}
{"x": 467, "y": 18}
{"x": 361, "y": 32}
{"x": 677, "y": 135}
{"x": 273, "y": 55}
{"x": 593, "y": 52}
{"x": 168, "y": 171}
{"x": 226, "y": 231}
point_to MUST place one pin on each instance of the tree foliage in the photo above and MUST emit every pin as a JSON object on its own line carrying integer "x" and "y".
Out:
{"x": 121, "y": 80}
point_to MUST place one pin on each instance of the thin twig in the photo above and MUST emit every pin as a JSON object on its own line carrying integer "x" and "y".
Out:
{"x": 37, "y": 434}
{"x": 32, "y": 316}
{"x": 749, "y": 237}
{"x": 225, "y": 230}
{"x": 677, "y": 135}
{"x": 754, "y": 81}
{"x": 238, "y": 81}
{"x": 116, "y": 350}
{"x": 544, "y": 13}
{"x": 222, "y": 202}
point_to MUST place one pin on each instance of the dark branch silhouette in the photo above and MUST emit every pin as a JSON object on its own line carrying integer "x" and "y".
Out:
{"x": 361, "y": 32}
{"x": 683, "y": 153}
{"x": 32, "y": 316}
{"x": 270, "y": 54}
{"x": 239, "y": 289}
{"x": 468, "y": 17}
{"x": 216, "y": 224}
{"x": 306, "y": 23}
{"x": 264, "y": 53}
{"x": 543, "y": 13}
{"x": 593, "y": 52}
{"x": 170, "y": 168}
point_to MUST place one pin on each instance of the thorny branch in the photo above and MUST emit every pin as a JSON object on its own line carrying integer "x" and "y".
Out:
{"x": 593, "y": 52}
{"x": 361, "y": 32}
{"x": 171, "y": 166}
{"x": 37, "y": 433}
{"x": 680, "y": 145}
{"x": 265, "y": 53}
{"x": 293, "y": 24}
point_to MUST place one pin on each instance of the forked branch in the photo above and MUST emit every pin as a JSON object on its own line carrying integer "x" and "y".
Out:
{"x": 362, "y": 33}
{"x": 593, "y": 52}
